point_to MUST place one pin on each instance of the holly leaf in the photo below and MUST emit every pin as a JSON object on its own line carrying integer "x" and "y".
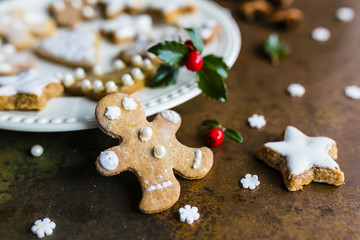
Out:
{"x": 211, "y": 84}
{"x": 212, "y": 123}
{"x": 171, "y": 52}
{"x": 164, "y": 76}
{"x": 276, "y": 49}
{"x": 216, "y": 63}
{"x": 196, "y": 39}
{"x": 234, "y": 135}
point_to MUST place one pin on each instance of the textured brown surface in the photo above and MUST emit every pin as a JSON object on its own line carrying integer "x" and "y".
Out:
{"x": 64, "y": 184}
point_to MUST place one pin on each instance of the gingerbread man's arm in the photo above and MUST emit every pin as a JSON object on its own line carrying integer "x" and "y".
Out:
{"x": 190, "y": 163}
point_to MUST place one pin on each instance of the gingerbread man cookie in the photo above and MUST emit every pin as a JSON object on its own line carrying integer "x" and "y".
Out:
{"x": 21, "y": 28}
{"x": 76, "y": 48}
{"x": 302, "y": 159}
{"x": 68, "y": 13}
{"x": 149, "y": 149}
{"x": 13, "y": 62}
{"x": 28, "y": 91}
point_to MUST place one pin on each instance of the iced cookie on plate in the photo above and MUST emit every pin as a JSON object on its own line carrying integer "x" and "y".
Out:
{"x": 126, "y": 28}
{"x": 302, "y": 159}
{"x": 148, "y": 149}
{"x": 170, "y": 11}
{"x": 28, "y": 91}
{"x": 125, "y": 78}
{"x": 13, "y": 62}
{"x": 113, "y": 8}
{"x": 76, "y": 48}
{"x": 68, "y": 13}
{"x": 22, "y": 28}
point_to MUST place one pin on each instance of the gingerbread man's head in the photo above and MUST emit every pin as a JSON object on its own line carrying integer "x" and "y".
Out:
{"x": 149, "y": 149}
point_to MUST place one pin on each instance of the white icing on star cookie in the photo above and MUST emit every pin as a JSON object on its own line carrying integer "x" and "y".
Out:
{"x": 352, "y": 92}
{"x": 257, "y": 121}
{"x": 113, "y": 112}
{"x": 109, "y": 160}
{"x": 321, "y": 34}
{"x": 129, "y": 103}
{"x": 170, "y": 115}
{"x": 296, "y": 90}
{"x": 303, "y": 152}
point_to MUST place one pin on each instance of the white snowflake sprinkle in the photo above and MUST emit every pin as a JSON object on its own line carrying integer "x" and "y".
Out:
{"x": 352, "y": 92}
{"x": 112, "y": 112}
{"x": 250, "y": 181}
{"x": 296, "y": 90}
{"x": 43, "y": 227}
{"x": 188, "y": 214}
{"x": 257, "y": 121}
{"x": 345, "y": 14}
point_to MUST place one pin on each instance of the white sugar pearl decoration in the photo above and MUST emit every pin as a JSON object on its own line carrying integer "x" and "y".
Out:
{"x": 127, "y": 79}
{"x": 79, "y": 73}
{"x": 119, "y": 64}
{"x": 109, "y": 160}
{"x": 137, "y": 73}
{"x": 137, "y": 60}
{"x": 296, "y": 90}
{"x": 352, "y": 92}
{"x": 345, "y": 14}
{"x": 86, "y": 85}
{"x": 98, "y": 70}
{"x": 146, "y": 134}
{"x": 68, "y": 79}
{"x": 110, "y": 86}
{"x": 159, "y": 151}
{"x": 37, "y": 150}
{"x": 5, "y": 68}
{"x": 98, "y": 86}
{"x": 147, "y": 64}
{"x": 321, "y": 34}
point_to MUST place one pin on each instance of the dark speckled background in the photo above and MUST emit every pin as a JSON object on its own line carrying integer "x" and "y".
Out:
{"x": 64, "y": 185}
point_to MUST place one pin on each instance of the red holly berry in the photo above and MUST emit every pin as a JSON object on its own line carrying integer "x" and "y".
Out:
{"x": 194, "y": 61}
{"x": 190, "y": 45}
{"x": 214, "y": 137}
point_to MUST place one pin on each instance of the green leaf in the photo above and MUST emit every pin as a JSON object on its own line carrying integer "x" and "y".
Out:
{"x": 211, "y": 84}
{"x": 276, "y": 49}
{"x": 212, "y": 123}
{"x": 171, "y": 52}
{"x": 165, "y": 75}
{"x": 216, "y": 63}
{"x": 234, "y": 135}
{"x": 196, "y": 39}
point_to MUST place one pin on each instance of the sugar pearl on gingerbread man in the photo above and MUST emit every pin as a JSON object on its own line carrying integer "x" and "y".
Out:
{"x": 159, "y": 151}
{"x": 145, "y": 134}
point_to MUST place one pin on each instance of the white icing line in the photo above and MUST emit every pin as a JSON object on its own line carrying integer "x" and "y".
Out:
{"x": 197, "y": 160}
{"x": 159, "y": 186}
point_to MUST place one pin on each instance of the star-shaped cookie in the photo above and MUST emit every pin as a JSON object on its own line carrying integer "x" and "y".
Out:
{"x": 302, "y": 159}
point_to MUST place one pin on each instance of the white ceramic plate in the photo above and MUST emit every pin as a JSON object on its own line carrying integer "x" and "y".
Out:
{"x": 77, "y": 113}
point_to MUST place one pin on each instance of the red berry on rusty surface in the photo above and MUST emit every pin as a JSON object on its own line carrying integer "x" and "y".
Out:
{"x": 214, "y": 137}
{"x": 194, "y": 61}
